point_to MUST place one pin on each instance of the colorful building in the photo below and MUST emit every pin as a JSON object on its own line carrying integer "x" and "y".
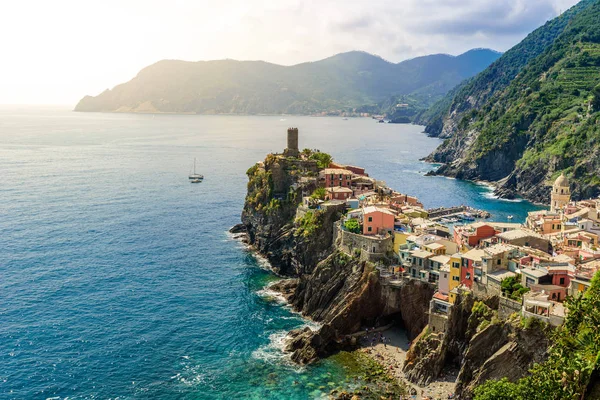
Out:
{"x": 399, "y": 240}
{"x": 339, "y": 193}
{"x": 377, "y": 220}
{"x": 561, "y": 194}
{"x": 469, "y": 236}
{"x": 336, "y": 177}
{"x": 470, "y": 261}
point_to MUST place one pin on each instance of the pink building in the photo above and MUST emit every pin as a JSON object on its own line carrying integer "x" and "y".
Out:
{"x": 339, "y": 193}
{"x": 336, "y": 177}
{"x": 377, "y": 220}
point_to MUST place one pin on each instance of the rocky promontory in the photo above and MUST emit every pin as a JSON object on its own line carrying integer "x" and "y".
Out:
{"x": 342, "y": 291}
{"x": 347, "y": 292}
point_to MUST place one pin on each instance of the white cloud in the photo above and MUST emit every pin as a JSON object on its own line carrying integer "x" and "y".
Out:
{"x": 56, "y": 52}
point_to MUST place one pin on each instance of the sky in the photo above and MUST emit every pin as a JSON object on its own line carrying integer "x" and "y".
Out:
{"x": 55, "y": 52}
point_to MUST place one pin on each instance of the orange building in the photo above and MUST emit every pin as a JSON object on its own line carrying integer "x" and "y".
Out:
{"x": 377, "y": 220}
{"x": 470, "y": 235}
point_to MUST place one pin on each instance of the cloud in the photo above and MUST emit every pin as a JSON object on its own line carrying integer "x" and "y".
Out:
{"x": 88, "y": 47}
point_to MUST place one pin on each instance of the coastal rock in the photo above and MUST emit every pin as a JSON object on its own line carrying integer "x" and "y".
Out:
{"x": 286, "y": 287}
{"x": 499, "y": 349}
{"x": 238, "y": 228}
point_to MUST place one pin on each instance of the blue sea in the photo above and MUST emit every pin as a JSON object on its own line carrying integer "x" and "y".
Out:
{"x": 118, "y": 279}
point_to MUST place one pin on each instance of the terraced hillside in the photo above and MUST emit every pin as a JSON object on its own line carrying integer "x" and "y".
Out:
{"x": 545, "y": 122}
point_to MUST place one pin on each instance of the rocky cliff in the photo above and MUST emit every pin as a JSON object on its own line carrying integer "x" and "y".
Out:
{"x": 480, "y": 344}
{"x": 344, "y": 292}
{"x": 531, "y": 115}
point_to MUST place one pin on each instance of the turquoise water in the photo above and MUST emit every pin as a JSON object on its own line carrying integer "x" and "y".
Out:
{"x": 118, "y": 277}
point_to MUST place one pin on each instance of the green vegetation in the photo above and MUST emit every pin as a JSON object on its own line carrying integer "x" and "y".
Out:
{"x": 352, "y": 225}
{"x": 596, "y": 98}
{"x": 480, "y": 317}
{"x": 347, "y": 82}
{"x": 370, "y": 379}
{"x": 323, "y": 159}
{"x": 511, "y": 287}
{"x": 574, "y": 358}
{"x": 260, "y": 188}
{"x": 476, "y": 92}
{"x": 537, "y": 115}
{"x": 309, "y": 223}
{"x": 319, "y": 194}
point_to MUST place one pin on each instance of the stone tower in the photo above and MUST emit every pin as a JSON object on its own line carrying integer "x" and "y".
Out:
{"x": 561, "y": 194}
{"x": 292, "y": 143}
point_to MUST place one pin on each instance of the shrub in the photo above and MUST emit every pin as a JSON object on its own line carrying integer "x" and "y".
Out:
{"x": 596, "y": 99}
{"x": 309, "y": 224}
{"x": 352, "y": 225}
{"x": 319, "y": 193}
{"x": 323, "y": 159}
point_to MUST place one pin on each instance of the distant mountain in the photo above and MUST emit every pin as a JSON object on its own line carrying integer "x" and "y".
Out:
{"x": 343, "y": 82}
{"x": 532, "y": 114}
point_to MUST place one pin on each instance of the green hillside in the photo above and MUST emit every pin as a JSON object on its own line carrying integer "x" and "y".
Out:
{"x": 572, "y": 370}
{"x": 341, "y": 83}
{"x": 543, "y": 122}
{"x": 474, "y": 93}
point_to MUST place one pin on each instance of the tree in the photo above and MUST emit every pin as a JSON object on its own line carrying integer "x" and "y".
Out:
{"x": 323, "y": 159}
{"x": 352, "y": 225}
{"x": 596, "y": 99}
{"x": 319, "y": 194}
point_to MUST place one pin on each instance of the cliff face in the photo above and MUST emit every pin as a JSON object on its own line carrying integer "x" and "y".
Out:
{"x": 531, "y": 115}
{"x": 347, "y": 294}
{"x": 483, "y": 346}
{"x": 343, "y": 292}
{"x": 275, "y": 190}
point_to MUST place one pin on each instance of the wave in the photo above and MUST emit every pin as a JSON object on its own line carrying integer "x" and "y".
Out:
{"x": 271, "y": 294}
{"x": 489, "y": 194}
{"x": 260, "y": 259}
{"x": 274, "y": 350}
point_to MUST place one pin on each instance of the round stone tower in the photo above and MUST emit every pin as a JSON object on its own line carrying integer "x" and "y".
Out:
{"x": 561, "y": 193}
{"x": 292, "y": 143}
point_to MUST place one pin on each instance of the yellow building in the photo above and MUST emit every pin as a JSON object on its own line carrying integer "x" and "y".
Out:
{"x": 454, "y": 281}
{"x": 561, "y": 193}
{"x": 399, "y": 240}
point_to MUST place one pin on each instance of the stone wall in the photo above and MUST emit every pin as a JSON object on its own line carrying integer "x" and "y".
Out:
{"x": 372, "y": 248}
{"x": 483, "y": 291}
{"x": 506, "y": 307}
{"x": 438, "y": 323}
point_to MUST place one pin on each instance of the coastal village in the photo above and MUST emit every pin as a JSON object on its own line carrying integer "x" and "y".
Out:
{"x": 532, "y": 266}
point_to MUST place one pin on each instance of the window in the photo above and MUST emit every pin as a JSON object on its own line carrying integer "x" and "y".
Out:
{"x": 455, "y": 265}
{"x": 370, "y": 219}
{"x": 369, "y": 229}
{"x": 456, "y": 278}
{"x": 468, "y": 276}
{"x": 499, "y": 261}
{"x": 420, "y": 262}
{"x": 562, "y": 281}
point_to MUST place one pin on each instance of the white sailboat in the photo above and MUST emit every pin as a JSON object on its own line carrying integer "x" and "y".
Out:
{"x": 195, "y": 177}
